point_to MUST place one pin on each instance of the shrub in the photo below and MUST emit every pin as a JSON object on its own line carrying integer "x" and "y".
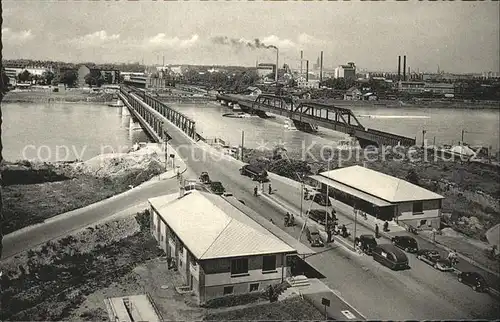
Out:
{"x": 144, "y": 220}
{"x": 234, "y": 300}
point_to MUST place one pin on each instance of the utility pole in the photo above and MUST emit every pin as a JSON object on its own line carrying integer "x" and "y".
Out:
{"x": 327, "y": 197}
{"x": 463, "y": 131}
{"x": 355, "y": 224}
{"x": 423, "y": 137}
{"x": 242, "y": 142}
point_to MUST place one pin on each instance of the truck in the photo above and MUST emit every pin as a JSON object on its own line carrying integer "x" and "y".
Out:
{"x": 254, "y": 172}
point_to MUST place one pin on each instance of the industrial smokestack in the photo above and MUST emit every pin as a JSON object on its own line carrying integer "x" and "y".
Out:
{"x": 301, "y": 57}
{"x": 277, "y": 58}
{"x": 399, "y": 68}
{"x": 321, "y": 68}
{"x": 404, "y": 68}
{"x": 163, "y": 61}
{"x": 409, "y": 73}
{"x": 307, "y": 70}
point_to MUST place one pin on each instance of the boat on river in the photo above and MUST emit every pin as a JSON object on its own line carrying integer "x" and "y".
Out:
{"x": 238, "y": 115}
{"x": 289, "y": 126}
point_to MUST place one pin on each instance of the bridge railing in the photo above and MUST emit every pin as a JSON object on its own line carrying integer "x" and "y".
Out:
{"x": 183, "y": 122}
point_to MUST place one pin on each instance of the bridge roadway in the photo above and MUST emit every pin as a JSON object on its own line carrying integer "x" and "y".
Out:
{"x": 313, "y": 112}
{"x": 378, "y": 293}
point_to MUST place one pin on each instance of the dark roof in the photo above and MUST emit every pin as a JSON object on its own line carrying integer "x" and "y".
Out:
{"x": 400, "y": 255}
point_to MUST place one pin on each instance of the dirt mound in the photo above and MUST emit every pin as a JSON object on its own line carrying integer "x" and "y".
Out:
{"x": 118, "y": 164}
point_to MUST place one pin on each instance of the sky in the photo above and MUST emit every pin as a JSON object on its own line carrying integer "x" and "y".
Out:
{"x": 460, "y": 37}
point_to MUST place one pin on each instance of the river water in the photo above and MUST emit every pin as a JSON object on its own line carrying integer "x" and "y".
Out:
{"x": 50, "y": 132}
{"x": 65, "y": 131}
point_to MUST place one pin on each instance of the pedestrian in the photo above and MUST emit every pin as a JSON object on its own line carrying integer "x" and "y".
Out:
{"x": 329, "y": 233}
{"x": 270, "y": 189}
{"x": 376, "y": 231}
{"x": 255, "y": 191}
{"x": 386, "y": 226}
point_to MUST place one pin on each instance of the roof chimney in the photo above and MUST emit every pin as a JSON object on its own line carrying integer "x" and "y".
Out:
{"x": 404, "y": 68}
{"x": 399, "y": 68}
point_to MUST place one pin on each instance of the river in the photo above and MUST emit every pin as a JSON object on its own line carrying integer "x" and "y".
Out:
{"x": 50, "y": 132}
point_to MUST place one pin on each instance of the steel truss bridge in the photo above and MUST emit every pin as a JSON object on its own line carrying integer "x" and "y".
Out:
{"x": 308, "y": 114}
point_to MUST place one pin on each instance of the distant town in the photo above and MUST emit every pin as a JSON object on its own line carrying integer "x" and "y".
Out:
{"x": 343, "y": 82}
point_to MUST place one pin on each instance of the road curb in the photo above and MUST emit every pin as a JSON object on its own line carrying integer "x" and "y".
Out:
{"x": 467, "y": 259}
{"x": 301, "y": 221}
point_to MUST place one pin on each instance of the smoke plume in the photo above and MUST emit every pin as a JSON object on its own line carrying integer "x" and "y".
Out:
{"x": 238, "y": 43}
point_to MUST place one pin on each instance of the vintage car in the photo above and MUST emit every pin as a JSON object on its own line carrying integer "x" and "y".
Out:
{"x": 366, "y": 242}
{"x": 217, "y": 187}
{"x": 406, "y": 243}
{"x": 313, "y": 236}
{"x": 433, "y": 258}
{"x": 204, "y": 177}
{"x": 319, "y": 216}
{"x": 474, "y": 280}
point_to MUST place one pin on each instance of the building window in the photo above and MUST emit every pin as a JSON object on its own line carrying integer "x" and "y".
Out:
{"x": 161, "y": 237}
{"x": 239, "y": 266}
{"x": 269, "y": 263}
{"x": 228, "y": 290}
{"x": 418, "y": 207}
{"x": 254, "y": 287}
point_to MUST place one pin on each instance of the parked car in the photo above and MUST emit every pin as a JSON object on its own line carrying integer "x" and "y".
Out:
{"x": 321, "y": 199}
{"x": 319, "y": 215}
{"x": 254, "y": 172}
{"x": 217, "y": 187}
{"x": 433, "y": 258}
{"x": 474, "y": 280}
{"x": 368, "y": 243}
{"x": 407, "y": 243}
{"x": 313, "y": 236}
{"x": 390, "y": 256}
{"x": 204, "y": 177}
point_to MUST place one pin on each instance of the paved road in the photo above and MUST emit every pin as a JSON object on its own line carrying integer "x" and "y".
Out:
{"x": 377, "y": 292}
{"x": 31, "y": 236}
{"x": 291, "y": 195}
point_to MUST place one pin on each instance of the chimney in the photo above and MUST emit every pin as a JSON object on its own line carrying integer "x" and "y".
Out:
{"x": 307, "y": 70}
{"x": 399, "y": 68}
{"x": 321, "y": 68}
{"x": 404, "y": 68}
{"x": 301, "y": 57}
{"x": 409, "y": 73}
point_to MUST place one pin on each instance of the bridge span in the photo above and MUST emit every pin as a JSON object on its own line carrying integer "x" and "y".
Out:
{"x": 308, "y": 114}
{"x": 152, "y": 114}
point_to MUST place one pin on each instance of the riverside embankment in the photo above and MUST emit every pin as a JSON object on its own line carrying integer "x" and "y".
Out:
{"x": 35, "y": 191}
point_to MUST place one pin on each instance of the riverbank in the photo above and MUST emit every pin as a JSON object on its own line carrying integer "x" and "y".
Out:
{"x": 73, "y": 95}
{"x": 35, "y": 191}
{"x": 471, "y": 190}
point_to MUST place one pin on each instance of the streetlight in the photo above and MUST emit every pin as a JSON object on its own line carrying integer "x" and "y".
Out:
{"x": 355, "y": 224}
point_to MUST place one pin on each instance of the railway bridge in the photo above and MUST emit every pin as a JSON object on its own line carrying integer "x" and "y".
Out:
{"x": 307, "y": 115}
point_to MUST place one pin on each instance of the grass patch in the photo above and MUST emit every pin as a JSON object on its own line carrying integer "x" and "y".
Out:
{"x": 51, "y": 286}
{"x": 291, "y": 309}
{"x": 29, "y": 204}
